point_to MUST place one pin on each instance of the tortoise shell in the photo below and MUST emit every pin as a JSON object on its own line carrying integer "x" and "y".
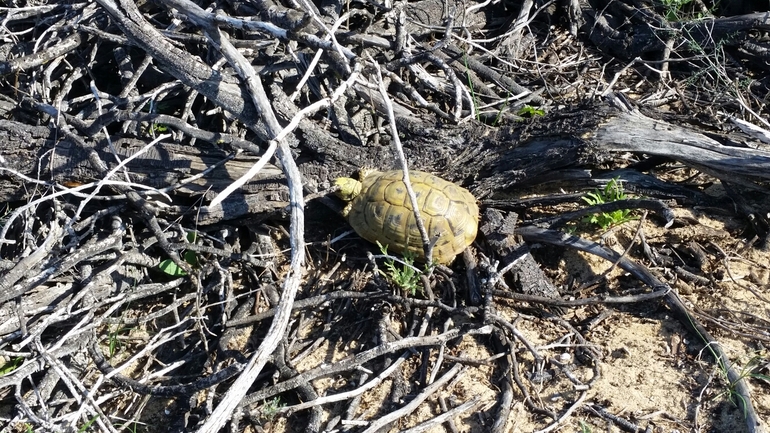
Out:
{"x": 382, "y": 212}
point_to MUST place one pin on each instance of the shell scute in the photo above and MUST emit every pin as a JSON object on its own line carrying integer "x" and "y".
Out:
{"x": 436, "y": 203}
{"x": 395, "y": 193}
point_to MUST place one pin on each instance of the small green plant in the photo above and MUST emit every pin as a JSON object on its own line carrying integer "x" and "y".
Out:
{"x": 270, "y": 409}
{"x": 113, "y": 335}
{"x": 88, "y": 424}
{"x": 674, "y": 8}
{"x": 584, "y": 428}
{"x": 570, "y": 229}
{"x": 407, "y": 277}
{"x": 113, "y": 340}
{"x": 169, "y": 267}
{"x": 745, "y": 373}
{"x": 612, "y": 192}
{"x": 24, "y": 427}
{"x": 530, "y": 111}
{"x": 685, "y": 10}
{"x": 11, "y": 365}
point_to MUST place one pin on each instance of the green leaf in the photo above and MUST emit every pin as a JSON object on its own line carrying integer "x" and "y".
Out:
{"x": 11, "y": 365}
{"x": 170, "y": 268}
{"x": 530, "y": 111}
{"x": 611, "y": 192}
{"x": 190, "y": 257}
{"x": 88, "y": 424}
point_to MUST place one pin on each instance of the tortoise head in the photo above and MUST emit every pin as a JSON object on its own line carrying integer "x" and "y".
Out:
{"x": 349, "y": 188}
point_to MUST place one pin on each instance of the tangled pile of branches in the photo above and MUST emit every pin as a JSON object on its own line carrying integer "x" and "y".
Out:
{"x": 122, "y": 281}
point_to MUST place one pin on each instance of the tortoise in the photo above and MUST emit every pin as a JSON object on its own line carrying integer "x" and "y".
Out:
{"x": 379, "y": 209}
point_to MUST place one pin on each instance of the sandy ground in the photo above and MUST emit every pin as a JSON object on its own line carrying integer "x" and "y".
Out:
{"x": 652, "y": 371}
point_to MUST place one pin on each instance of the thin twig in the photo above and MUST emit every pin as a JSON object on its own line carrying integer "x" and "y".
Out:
{"x": 412, "y": 405}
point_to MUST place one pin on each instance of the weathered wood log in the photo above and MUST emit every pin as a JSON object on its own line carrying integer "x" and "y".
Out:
{"x": 497, "y": 161}
{"x": 630, "y": 32}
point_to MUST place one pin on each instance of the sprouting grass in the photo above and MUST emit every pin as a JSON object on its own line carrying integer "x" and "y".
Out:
{"x": 746, "y": 373}
{"x": 113, "y": 340}
{"x": 88, "y": 424}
